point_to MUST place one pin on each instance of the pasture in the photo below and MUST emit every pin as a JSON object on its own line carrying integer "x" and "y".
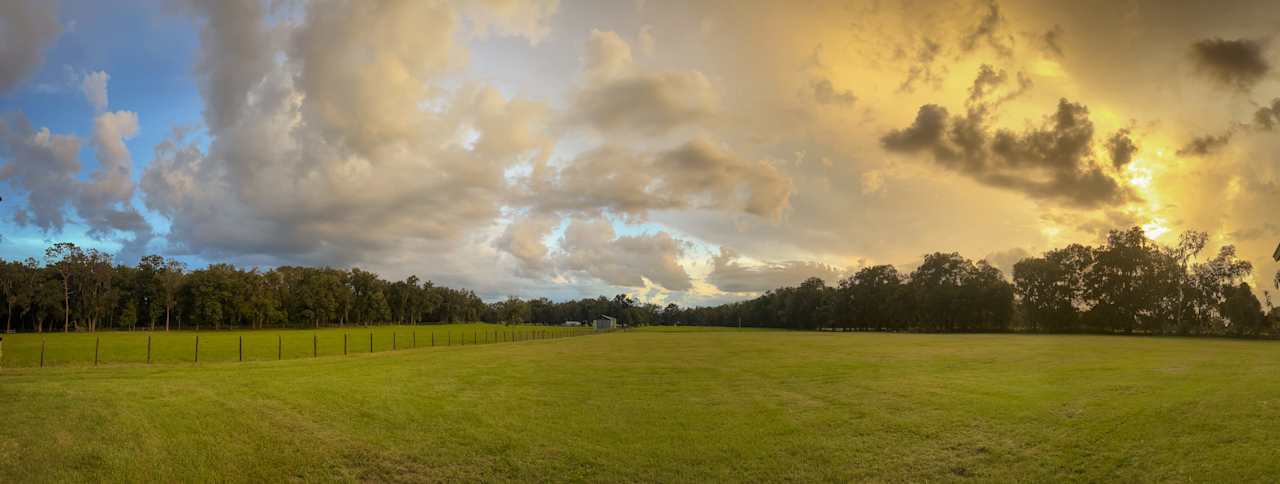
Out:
{"x": 679, "y": 405}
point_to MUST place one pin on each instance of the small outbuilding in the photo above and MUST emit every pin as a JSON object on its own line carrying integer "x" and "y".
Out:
{"x": 605, "y": 323}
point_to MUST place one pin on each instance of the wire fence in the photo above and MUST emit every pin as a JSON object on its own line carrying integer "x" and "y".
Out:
{"x": 115, "y": 348}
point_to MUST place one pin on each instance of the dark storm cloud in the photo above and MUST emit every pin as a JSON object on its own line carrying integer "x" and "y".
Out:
{"x": 1205, "y": 145}
{"x": 1121, "y": 148}
{"x": 1239, "y": 63}
{"x": 1054, "y": 161}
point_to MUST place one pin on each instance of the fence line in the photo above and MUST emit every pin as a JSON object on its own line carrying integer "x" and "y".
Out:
{"x": 217, "y": 349}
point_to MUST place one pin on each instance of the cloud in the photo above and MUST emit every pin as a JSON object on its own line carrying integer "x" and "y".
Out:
{"x": 523, "y": 239}
{"x": 1005, "y": 259}
{"x": 94, "y": 87}
{"x": 1204, "y": 145}
{"x": 1237, "y": 64}
{"x": 607, "y": 56}
{"x": 1267, "y": 116}
{"x": 1052, "y": 40}
{"x": 104, "y": 202}
{"x": 696, "y": 174}
{"x": 988, "y": 31}
{"x": 729, "y": 274}
{"x": 27, "y": 28}
{"x": 1053, "y": 162}
{"x": 44, "y": 165}
{"x": 519, "y": 18}
{"x": 333, "y": 137}
{"x": 1121, "y": 148}
{"x": 989, "y": 81}
{"x": 826, "y": 94}
{"x": 922, "y": 69}
{"x": 617, "y": 99}
{"x": 648, "y": 103}
{"x": 592, "y": 248}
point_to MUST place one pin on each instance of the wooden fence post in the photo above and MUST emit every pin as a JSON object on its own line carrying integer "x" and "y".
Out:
{"x": 42, "y": 352}
{"x": 279, "y": 347}
{"x": 242, "y": 348}
{"x": 414, "y": 343}
{"x": 97, "y": 343}
{"x": 448, "y": 338}
{"x": 371, "y": 341}
{"x": 148, "y": 349}
{"x": 433, "y": 339}
{"x": 344, "y": 343}
{"x": 197, "y": 356}
{"x": 315, "y": 345}
{"x": 393, "y": 340}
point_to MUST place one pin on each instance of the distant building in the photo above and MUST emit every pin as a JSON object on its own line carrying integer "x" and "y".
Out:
{"x": 605, "y": 323}
{"x": 572, "y": 324}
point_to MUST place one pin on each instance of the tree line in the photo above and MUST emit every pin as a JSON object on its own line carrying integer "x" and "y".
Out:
{"x": 1128, "y": 284}
{"x": 78, "y": 289}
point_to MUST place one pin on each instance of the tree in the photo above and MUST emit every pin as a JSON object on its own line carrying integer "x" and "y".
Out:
{"x": 129, "y": 317}
{"x": 1243, "y": 311}
{"x": 65, "y": 259}
{"x": 170, "y": 277}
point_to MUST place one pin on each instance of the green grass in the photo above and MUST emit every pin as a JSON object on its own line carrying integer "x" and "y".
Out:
{"x": 114, "y": 347}
{"x": 650, "y": 406}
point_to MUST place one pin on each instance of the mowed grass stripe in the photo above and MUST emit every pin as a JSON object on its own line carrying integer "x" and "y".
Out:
{"x": 113, "y": 347}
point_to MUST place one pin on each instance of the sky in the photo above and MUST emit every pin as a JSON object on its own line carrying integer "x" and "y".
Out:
{"x": 686, "y": 152}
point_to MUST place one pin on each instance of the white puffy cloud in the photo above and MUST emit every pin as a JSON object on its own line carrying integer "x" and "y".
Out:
{"x": 333, "y": 138}
{"x": 729, "y": 274}
{"x": 94, "y": 87}
{"x": 592, "y": 248}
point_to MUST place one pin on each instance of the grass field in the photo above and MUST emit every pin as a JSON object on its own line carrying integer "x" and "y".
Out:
{"x": 680, "y": 406}
{"x": 115, "y": 347}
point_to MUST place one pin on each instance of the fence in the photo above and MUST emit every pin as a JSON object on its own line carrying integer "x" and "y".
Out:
{"x": 105, "y": 348}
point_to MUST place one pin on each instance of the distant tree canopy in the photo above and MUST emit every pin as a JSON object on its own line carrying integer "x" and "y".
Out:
{"x": 1129, "y": 284}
